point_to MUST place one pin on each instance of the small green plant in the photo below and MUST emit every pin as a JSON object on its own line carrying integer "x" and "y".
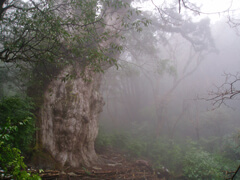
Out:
{"x": 86, "y": 171}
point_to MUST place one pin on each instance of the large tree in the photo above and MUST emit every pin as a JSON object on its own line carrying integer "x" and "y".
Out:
{"x": 63, "y": 45}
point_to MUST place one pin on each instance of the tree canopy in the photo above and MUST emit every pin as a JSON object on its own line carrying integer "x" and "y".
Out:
{"x": 61, "y": 32}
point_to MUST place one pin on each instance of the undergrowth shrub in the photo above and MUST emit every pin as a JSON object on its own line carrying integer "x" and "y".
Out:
{"x": 165, "y": 152}
{"x": 16, "y": 130}
{"x": 200, "y": 164}
{"x": 12, "y": 163}
{"x": 231, "y": 146}
{"x": 115, "y": 140}
{"x": 16, "y": 112}
{"x": 120, "y": 140}
{"x": 137, "y": 148}
{"x": 188, "y": 158}
{"x": 161, "y": 151}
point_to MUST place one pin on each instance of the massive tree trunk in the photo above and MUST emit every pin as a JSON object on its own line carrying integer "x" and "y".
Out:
{"x": 70, "y": 109}
{"x": 69, "y": 118}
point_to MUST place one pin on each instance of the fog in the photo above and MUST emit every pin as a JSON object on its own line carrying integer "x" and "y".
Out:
{"x": 163, "y": 74}
{"x": 163, "y": 85}
{"x": 136, "y": 84}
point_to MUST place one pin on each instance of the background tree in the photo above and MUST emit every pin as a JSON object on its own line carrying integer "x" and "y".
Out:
{"x": 229, "y": 89}
{"x": 152, "y": 70}
{"x": 173, "y": 50}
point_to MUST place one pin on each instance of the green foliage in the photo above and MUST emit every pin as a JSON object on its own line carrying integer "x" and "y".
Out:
{"x": 226, "y": 164}
{"x": 162, "y": 151}
{"x": 9, "y": 84}
{"x": 12, "y": 163}
{"x": 231, "y": 146}
{"x": 166, "y": 66}
{"x": 103, "y": 140}
{"x": 211, "y": 144}
{"x": 115, "y": 140}
{"x": 129, "y": 69}
{"x": 35, "y": 33}
{"x": 200, "y": 164}
{"x": 120, "y": 140}
{"x": 17, "y": 122}
{"x": 187, "y": 158}
{"x": 137, "y": 147}
{"x": 167, "y": 153}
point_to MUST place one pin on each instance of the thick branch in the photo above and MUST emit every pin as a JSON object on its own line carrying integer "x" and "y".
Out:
{"x": 234, "y": 173}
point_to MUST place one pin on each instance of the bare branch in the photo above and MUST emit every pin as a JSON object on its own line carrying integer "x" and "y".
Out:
{"x": 185, "y": 4}
{"x": 229, "y": 90}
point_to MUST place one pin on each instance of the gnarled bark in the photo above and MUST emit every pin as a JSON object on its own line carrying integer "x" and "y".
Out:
{"x": 69, "y": 118}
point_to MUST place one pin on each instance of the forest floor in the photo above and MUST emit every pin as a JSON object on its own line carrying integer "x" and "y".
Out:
{"x": 117, "y": 166}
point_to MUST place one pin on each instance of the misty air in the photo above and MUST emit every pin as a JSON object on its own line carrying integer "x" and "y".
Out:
{"x": 120, "y": 89}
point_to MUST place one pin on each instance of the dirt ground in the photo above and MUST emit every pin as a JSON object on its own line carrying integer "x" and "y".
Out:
{"x": 117, "y": 166}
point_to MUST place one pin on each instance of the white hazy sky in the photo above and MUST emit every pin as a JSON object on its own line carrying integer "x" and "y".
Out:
{"x": 215, "y": 6}
{"x": 211, "y": 7}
